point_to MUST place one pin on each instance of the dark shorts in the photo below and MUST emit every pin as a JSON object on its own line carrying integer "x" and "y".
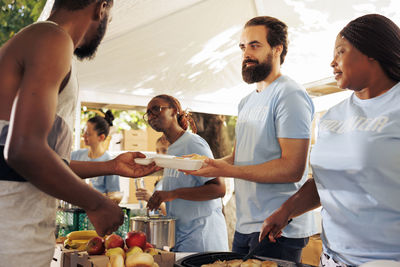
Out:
{"x": 285, "y": 248}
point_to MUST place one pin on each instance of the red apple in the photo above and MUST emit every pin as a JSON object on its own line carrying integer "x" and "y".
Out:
{"x": 136, "y": 238}
{"x": 148, "y": 245}
{"x": 114, "y": 241}
{"x": 95, "y": 246}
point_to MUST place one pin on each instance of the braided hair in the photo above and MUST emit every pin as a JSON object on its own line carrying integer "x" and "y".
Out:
{"x": 377, "y": 37}
{"x": 102, "y": 124}
{"x": 184, "y": 117}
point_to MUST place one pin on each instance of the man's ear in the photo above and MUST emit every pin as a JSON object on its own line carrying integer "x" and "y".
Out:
{"x": 100, "y": 11}
{"x": 277, "y": 50}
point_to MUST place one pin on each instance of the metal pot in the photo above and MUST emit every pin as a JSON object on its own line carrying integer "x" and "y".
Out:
{"x": 160, "y": 230}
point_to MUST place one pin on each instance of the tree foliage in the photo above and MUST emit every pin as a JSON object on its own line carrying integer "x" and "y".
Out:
{"x": 124, "y": 119}
{"x": 16, "y": 14}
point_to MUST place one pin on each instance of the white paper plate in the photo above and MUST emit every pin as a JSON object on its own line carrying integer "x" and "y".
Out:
{"x": 150, "y": 157}
{"x": 144, "y": 161}
{"x": 180, "y": 164}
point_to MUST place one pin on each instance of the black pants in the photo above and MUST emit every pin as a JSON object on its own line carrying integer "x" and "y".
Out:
{"x": 285, "y": 248}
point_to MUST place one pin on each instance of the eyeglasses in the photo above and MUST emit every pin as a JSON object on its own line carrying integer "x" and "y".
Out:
{"x": 155, "y": 110}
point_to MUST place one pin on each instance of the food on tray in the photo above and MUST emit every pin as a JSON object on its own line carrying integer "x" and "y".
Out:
{"x": 269, "y": 264}
{"x": 251, "y": 263}
{"x": 193, "y": 157}
{"x": 240, "y": 263}
{"x": 217, "y": 263}
{"x": 233, "y": 263}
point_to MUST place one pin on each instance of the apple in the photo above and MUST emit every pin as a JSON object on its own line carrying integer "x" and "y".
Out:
{"x": 139, "y": 260}
{"x": 114, "y": 241}
{"x": 115, "y": 251}
{"x": 133, "y": 250}
{"x": 151, "y": 251}
{"x": 95, "y": 246}
{"x": 135, "y": 238}
{"x": 148, "y": 245}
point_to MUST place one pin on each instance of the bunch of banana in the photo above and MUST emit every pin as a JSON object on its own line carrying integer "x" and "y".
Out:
{"x": 78, "y": 239}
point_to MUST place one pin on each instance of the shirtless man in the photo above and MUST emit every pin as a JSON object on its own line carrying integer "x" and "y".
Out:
{"x": 36, "y": 139}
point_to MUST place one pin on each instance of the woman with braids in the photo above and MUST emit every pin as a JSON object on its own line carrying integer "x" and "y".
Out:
{"x": 194, "y": 201}
{"x": 97, "y": 130}
{"x": 356, "y": 157}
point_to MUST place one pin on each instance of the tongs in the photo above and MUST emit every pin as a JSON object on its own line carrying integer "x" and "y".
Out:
{"x": 259, "y": 245}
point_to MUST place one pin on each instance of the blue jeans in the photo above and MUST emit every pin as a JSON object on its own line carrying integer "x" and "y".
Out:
{"x": 285, "y": 248}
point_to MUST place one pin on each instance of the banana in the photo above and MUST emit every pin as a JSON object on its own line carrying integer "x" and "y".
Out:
{"x": 81, "y": 235}
{"x": 75, "y": 244}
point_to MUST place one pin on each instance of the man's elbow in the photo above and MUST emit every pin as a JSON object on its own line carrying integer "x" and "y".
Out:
{"x": 19, "y": 154}
{"x": 295, "y": 175}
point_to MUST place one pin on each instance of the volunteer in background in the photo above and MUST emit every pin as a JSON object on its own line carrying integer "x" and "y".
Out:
{"x": 96, "y": 132}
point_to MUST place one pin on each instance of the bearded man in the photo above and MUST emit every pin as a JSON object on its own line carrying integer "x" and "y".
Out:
{"x": 269, "y": 161}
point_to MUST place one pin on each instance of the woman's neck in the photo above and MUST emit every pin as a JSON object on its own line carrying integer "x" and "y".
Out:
{"x": 96, "y": 151}
{"x": 174, "y": 134}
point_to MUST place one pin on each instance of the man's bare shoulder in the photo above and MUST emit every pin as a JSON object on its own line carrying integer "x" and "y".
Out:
{"x": 45, "y": 32}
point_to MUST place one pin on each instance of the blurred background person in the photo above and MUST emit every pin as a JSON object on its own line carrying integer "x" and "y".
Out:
{"x": 194, "y": 201}
{"x": 162, "y": 145}
{"x": 96, "y": 132}
{"x": 355, "y": 160}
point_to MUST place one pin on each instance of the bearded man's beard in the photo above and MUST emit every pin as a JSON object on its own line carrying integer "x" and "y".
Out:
{"x": 258, "y": 72}
{"x": 89, "y": 50}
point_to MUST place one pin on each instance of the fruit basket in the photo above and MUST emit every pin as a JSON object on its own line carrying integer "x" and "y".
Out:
{"x": 75, "y": 219}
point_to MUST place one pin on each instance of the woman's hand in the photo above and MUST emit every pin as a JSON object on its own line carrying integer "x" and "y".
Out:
{"x": 125, "y": 165}
{"x": 159, "y": 197}
{"x": 143, "y": 194}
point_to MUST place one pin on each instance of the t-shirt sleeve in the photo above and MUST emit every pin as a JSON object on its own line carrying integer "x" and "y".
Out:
{"x": 75, "y": 155}
{"x": 200, "y": 146}
{"x": 294, "y": 114}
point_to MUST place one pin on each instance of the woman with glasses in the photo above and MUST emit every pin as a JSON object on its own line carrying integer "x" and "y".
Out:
{"x": 194, "y": 201}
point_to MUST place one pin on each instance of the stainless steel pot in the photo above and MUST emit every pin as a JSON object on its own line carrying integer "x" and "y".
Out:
{"x": 160, "y": 230}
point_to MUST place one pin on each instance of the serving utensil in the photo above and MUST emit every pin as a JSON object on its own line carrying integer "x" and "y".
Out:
{"x": 259, "y": 245}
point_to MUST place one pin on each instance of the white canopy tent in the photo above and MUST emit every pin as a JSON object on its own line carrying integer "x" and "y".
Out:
{"x": 189, "y": 49}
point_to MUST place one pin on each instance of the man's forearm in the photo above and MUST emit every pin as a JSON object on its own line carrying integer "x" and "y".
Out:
{"x": 274, "y": 171}
{"x": 304, "y": 200}
{"x": 88, "y": 169}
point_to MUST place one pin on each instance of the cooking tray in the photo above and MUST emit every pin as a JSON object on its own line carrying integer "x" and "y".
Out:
{"x": 198, "y": 259}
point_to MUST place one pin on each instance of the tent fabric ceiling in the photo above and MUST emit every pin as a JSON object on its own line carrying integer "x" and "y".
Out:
{"x": 189, "y": 48}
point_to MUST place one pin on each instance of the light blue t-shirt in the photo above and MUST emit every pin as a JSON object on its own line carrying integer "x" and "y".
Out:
{"x": 200, "y": 225}
{"x": 282, "y": 110}
{"x": 356, "y": 166}
{"x": 104, "y": 184}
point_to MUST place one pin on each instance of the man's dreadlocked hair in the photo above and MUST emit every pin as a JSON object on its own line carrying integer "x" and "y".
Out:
{"x": 377, "y": 37}
{"x": 76, "y": 4}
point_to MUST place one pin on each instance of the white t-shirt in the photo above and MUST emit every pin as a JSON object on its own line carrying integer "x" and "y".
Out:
{"x": 282, "y": 110}
{"x": 356, "y": 166}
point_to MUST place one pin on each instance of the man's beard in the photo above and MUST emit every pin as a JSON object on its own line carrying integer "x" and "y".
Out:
{"x": 258, "y": 72}
{"x": 89, "y": 50}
